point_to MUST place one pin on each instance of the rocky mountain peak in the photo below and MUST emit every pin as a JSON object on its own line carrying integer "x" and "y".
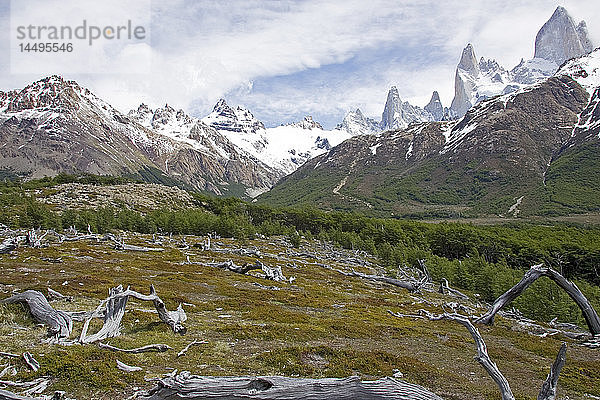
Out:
{"x": 225, "y": 118}
{"x": 222, "y": 108}
{"x": 398, "y": 114}
{"x": 308, "y": 123}
{"x": 560, "y": 39}
{"x": 50, "y": 93}
{"x": 391, "y": 111}
{"x": 468, "y": 61}
{"x": 434, "y": 107}
{"x": 355, "y": 123}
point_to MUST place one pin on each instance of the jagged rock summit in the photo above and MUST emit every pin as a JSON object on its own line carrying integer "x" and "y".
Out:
{"x": 307, "y": 123}
{"x": 355, "y": 123}
{"x": 398, "y": 114}
{"x": 225, "y": 118}
{"x": 434, "y": 107}
{"x": 560, "y": 39}
{"x": 476, "y": 81}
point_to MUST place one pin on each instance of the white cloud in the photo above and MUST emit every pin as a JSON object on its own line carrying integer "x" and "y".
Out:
{"x": 204, "y": 50}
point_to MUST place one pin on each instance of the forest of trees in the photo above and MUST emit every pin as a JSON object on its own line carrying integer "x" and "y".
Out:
{"x": 483, "y": 259}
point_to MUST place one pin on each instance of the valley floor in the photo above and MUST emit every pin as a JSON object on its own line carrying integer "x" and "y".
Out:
{"x": 323, "y": 324}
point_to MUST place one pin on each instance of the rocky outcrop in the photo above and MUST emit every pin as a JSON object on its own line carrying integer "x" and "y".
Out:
{"x": 307, "y": 123}
{"x": 560, "y": 39}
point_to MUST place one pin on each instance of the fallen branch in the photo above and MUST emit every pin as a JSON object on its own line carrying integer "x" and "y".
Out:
{"x": 193, "y": 387}
{"x": 3, "y": 354}
{"x": 410, "y": 286}
{"x": 127, "y": 368}
{"x": 31, "y": 362}
{"x": 121, "y": 245}
{"x": 144, "y": 349}
{"x": 535, "y": 272}
{"x": 548, "y": 390}
{"x": 445, "y": 289}
{"x": 59, "y": 322}
{"x": 53, "y": 294}
{"x": 186, "y": 348}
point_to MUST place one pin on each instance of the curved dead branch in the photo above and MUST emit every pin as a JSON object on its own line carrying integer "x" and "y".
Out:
{"x": 535, "y": 272}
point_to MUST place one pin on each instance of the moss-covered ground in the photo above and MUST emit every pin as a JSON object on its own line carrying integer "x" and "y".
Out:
{"x": 323, "y": 324}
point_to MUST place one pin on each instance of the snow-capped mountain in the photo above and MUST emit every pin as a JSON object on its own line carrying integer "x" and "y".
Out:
{"x": 55, "y": 125}
{"x": 225, "y": 118}
{"x": 398, "y": 114}
{"x": 558, "y": 40}
{"x": 539, "y": 144}
{"x": 355, "y": 123}
{"x": 283, "y": 148}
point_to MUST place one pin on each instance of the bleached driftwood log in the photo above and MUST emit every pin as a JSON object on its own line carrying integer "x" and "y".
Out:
{"x": 33, "y": 238}
{"x": 127, "y": 368}
{"x": 6, "y": 395}
{"x": 59, "y": 323}
{"x": 121, "y": 245}
{"x": 535, "y": 272}
{"x": 144, "y": 349}
{"x": 53, "y": 294}
{"x": 271, "y": 273}
{"x": 193, "y": 387}
{"x": 31, "y": 361}
{"x": 9, "y": 245}
{"x": 186, "y": 348}
{"x": 112, "y": 310}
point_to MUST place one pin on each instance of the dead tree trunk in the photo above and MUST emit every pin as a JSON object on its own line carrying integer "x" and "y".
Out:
{"x": 548, "y": 391}
{"x": 112, "y": 310}
{"x": 59, "y": 322}
{"x": 193, "y": 387}
{"x": 535, "y": 272}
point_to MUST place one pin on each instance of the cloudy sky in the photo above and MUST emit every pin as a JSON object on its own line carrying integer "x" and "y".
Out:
{"x": 286, "y": 59}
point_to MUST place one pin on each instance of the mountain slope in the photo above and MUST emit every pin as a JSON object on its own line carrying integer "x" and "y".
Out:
{"x": 498, "y": 152}
{"x": 55, "y": 125}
